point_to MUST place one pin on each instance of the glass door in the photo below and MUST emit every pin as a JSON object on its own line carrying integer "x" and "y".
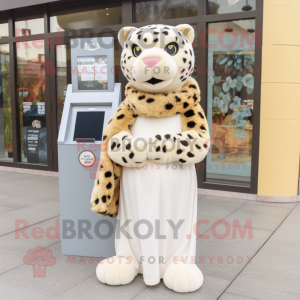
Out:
{"x": 230, "y": 101}
{"x": 31, "y": 96}
{"x": 63, "y": 78}
{"x": 6, "y": 137}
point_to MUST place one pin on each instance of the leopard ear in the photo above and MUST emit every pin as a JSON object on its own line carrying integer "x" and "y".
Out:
{"x": 187, "y": 31}
{"x": 124, "y": 33}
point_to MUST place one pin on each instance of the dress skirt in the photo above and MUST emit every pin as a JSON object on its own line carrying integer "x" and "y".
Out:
{"x": 157, "y": 208}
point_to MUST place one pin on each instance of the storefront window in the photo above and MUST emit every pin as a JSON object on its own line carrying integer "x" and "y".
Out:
{"x": 90, "y": 17}
{"x": 230, "y": 100}
{"x": 3, "y": 29}
{"x": 29, "y": 26}
{"x": 230, "y": 6}
{"x": 148, "y": 11}
{"x": 31, "y": 84}
{"x": 195, "y": 47}
{"x": 63, "y": 78}
{"x": 6, "y": 145}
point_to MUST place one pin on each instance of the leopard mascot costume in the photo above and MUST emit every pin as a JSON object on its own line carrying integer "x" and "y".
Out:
{"x": 146, "y": 174}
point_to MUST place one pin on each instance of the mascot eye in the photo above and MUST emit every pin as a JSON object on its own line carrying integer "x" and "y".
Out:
{"x": 136, "y": 50}
{"x": 172, "y": 48}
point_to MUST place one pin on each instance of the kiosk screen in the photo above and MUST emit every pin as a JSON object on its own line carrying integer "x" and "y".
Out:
{"x": 89, "y": 125}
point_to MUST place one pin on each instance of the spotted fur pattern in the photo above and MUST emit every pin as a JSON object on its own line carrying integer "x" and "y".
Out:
{"x": 153, "y": 41}
{"x": 186, "y": 102}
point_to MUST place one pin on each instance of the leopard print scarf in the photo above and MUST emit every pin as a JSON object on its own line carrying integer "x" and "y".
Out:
{"x": 185, "y": 101}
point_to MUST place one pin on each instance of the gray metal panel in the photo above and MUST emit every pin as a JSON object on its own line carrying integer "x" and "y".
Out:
{"x": 75, "y": 187}
{"x": 76, "y": 181}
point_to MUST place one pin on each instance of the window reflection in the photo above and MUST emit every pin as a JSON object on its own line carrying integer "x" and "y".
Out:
{"x": 230, "y": 6}
{"x": 195, "y": 47}
{"x": 230, "y": 94}
{"x": 63, "y": 78}
{"x": 164, "y": 9}
{"x": 31, "y": 84}
{"x": 89, "y": 17}
{"x": 29, "y": 26}
{"x": 3, "y": 29}
{"x": 6, "y": 144}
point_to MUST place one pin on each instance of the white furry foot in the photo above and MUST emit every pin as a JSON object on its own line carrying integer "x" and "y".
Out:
{"x": 116, "y": 270}
{"x": 183, "y": 278}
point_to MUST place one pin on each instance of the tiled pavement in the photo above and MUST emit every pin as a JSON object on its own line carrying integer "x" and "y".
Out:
{"x": 273, "y": 273}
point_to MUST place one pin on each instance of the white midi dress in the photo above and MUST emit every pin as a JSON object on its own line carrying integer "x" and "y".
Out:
{"x": 153, "y": 198}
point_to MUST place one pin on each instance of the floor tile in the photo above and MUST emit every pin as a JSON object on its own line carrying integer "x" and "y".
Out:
{"x": 211, "y": 289}
{"x": 14, "y": 247}
{"x": 19, "y": 185}
{"x": 211, "y": 209}
{"x": 20, "y": 282}
{"x": 259, "y": 293}
{"x": 31, "y": 214}
{"x": 93, "y": 289}
{"x": 228, "y": 296}
{"x": 289, "y": 231}
{"x": 226, "y": 257}
{"x": 276, "y": 266}
{"x": 275, "y": 204}
{"x": 4, "y": 209}
{"x": 259, "y": 216}
{"x": 28, "y": 200}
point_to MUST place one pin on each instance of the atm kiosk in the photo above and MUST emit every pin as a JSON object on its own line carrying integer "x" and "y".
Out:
{"x": 90, "y": 102}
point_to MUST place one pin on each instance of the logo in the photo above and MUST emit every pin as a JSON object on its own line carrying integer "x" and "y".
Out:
{"x": 91, "y": 46}
{"x": 39, "y": 258}
{"x": 87, "y": 158}
{"x": 36, "y": 124}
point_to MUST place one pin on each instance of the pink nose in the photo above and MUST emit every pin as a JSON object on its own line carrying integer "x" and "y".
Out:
{"x": 151, "y": 61}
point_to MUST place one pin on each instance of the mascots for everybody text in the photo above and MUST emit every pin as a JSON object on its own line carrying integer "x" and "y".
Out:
{"x": 147, "y": 177}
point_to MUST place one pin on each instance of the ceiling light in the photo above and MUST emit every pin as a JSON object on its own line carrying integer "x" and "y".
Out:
{"x": 247, "y": 7}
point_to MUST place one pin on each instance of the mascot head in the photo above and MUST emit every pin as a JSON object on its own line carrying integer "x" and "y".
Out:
{"x": 157, "y": 58}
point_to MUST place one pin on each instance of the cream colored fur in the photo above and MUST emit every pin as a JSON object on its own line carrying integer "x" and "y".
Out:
{"x": 183, "y": 277}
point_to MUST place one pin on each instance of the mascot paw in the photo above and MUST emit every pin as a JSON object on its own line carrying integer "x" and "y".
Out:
{"x": 183, "y": 278}
{"x": 116, "y": 270}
